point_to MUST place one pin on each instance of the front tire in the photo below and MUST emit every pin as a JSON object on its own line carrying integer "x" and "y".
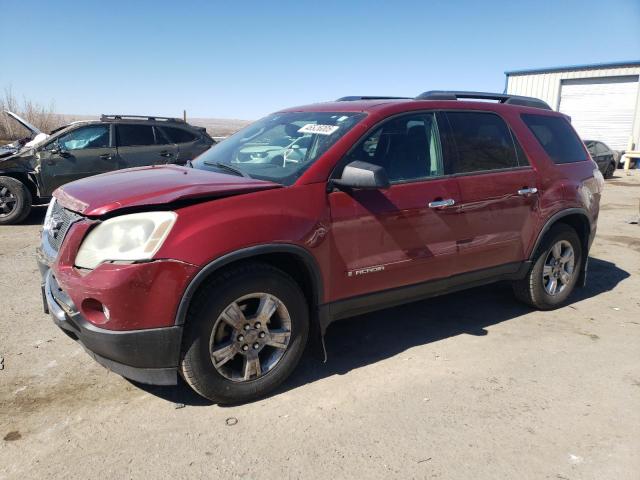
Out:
{"x": 245, "y": 333}
{"x": 554, "y": 272}
{"x": 15, "y": 201}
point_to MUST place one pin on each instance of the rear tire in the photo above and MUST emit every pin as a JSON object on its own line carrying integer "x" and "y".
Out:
{"x": 15, "y": 201}
{"x": 558, "y": 259}
{"x": 609, "y": 171}
{"x": 248, "y": 312}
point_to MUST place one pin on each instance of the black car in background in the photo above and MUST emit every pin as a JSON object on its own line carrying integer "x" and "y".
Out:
{"x": 606, "y": 158}
{"x": 87, "y": 148}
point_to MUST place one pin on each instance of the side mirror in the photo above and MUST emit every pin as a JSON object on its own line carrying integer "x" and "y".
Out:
{"x": 58, "y": 150}
{"x": 362, "y": 175}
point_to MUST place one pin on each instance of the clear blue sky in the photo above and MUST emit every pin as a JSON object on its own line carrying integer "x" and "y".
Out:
{"x": 243, "y": 59}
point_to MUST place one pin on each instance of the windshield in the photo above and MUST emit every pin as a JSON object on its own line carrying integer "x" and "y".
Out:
{"x": 280, "y": 147}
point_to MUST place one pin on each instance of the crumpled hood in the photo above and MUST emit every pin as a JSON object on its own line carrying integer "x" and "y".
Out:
{"x": 154, "y": 185}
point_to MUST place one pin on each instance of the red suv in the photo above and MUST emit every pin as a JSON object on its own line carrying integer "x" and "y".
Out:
{"x": 220, "y": 270}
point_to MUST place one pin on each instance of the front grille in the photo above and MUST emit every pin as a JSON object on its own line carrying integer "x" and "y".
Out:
{"x": 59, "y": 224}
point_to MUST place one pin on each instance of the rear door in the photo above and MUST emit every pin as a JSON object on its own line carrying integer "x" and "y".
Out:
{"x": 497, "y": 187}
{"x": 84, "y": 151}
{"x": 382, "y": 239}
{"x": 189, "y": 144}
{"x": 141, "y": 144}
{"x": 604, "y": 154}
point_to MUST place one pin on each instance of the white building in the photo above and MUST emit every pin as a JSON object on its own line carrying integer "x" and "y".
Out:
{"x": 602, "y": 100}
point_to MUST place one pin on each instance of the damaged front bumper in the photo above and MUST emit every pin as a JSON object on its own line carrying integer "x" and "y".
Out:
{"x": 147, "y": 355}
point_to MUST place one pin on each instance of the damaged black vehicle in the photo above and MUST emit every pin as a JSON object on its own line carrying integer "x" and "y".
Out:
{"x": 33, "y": 167}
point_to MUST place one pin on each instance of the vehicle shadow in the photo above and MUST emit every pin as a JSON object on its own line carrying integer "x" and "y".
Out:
{"x": 366, "y": 339}
{"x": 36, "y": 216}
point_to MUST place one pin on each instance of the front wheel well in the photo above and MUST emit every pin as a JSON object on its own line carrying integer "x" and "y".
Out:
{"x": 25, "y": 179}
{"x": 294, "y": 265}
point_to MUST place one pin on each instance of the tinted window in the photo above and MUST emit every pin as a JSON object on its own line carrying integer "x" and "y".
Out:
{"x": 482, "y": 141}
{"x": 523, "y": 160}
{"x": 601, "y": 149}
{"x": 161, "y": 138}
{"x": 556, "y": 137}
{"x": 591, "y": 146}
{"x": 92, "y": 136}
{"x": 135, "y": 135}
{"x": 408, "y": 148}
{"x": 178, "y": 135}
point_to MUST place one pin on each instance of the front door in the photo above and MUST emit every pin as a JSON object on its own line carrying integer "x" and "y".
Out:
{"x": 498, "y": 190}
{"x": 140, "y": 145}
{"x": 383, "y": 239}
{"x": 85, "y": 151}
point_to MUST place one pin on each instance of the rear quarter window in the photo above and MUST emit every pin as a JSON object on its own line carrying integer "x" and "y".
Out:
{"x": 178, "y": 135}
{"x": 557, "y": 138}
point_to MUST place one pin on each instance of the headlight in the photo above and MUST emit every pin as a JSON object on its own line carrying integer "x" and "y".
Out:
{"x": 47, "y": 225}
{"x": 133, "y": 237}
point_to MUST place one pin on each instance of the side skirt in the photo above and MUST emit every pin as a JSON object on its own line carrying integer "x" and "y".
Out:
{"x": 330, "y": 312}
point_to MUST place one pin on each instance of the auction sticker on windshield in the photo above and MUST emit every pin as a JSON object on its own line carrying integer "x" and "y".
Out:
{"x": 318, "y": 129}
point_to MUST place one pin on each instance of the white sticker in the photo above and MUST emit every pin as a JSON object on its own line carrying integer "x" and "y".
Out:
{"x": 319, "y": 129}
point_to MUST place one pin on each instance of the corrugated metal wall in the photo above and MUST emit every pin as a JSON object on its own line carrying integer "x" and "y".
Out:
{"x": 547, "y": 86}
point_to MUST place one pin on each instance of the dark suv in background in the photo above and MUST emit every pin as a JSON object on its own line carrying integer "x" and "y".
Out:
{"x": 606, "y": 158}
{"x": 87, "y": 148}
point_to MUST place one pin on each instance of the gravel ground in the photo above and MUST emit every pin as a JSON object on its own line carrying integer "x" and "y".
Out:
{"x": 469, "y": 385}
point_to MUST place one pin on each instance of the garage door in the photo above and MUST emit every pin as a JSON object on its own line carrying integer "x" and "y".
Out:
{"x": 601, "y": 109}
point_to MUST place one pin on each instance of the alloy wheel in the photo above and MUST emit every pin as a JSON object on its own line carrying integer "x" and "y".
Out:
{"x": 250, "y": 337}
{"x": 559, "y": 267}
{"x": 7, "y": 202}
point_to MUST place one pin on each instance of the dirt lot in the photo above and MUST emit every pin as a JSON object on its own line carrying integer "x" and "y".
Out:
{"x": 470, "y": 385}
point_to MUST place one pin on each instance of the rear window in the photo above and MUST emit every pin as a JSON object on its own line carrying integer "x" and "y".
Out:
{"x": 556, "y": 137}
{"x": 178, "y": 135}
{"x": 483, "y": 142}
{"x": 135, "y": 135}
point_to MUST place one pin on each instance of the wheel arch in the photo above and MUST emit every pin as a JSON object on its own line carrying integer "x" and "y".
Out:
{"x": 576, "y": 218}
{"x": 292, "y": 259}
{"x": 24, "y": 178}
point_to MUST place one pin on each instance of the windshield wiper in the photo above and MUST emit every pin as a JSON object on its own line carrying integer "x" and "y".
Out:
{"x": 226, "y": 166}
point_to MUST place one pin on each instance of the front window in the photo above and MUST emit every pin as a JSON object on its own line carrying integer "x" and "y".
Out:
{"x": 280, "y": 147}
{"x": 92, "y": 136}
{"x": 407, "y": 147}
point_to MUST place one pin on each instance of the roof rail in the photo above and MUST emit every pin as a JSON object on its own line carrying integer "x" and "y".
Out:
{"x": 354, "y": 98}
{"x": 501, "y": 97}
{"x": 104, "y": 117}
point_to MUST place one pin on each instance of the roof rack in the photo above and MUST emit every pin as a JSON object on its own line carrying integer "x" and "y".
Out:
{"x": 354, "y": 98}
{"x": 501, "y": 97}
{"x": 104, "y": 117}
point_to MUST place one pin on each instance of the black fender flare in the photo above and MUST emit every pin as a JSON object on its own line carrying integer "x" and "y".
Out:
{"x": 28, "y": 177}
{"x": 247, "y": 253}
{"x": 586, "y": 241}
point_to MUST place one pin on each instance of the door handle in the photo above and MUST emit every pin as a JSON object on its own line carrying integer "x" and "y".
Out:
{"x": 166, "y": 153}
{"x": 106, "y": 156}
{"x": 449, "y": 202}
{"x": 527, "y": 191}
